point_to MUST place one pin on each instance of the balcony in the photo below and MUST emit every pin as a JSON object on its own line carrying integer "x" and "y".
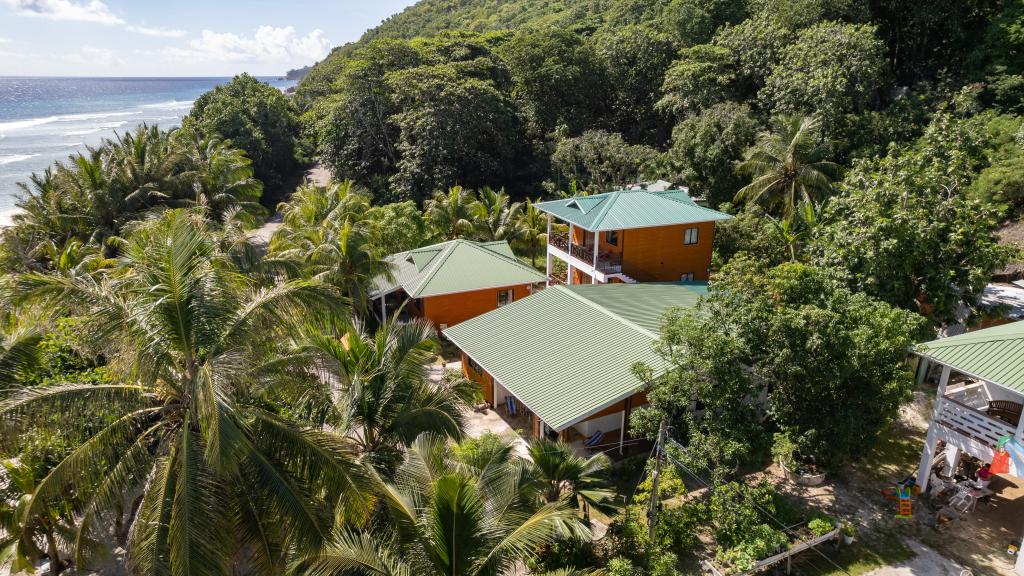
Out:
{"x": 977, "y": 420}
{"x": 608, "y": 262}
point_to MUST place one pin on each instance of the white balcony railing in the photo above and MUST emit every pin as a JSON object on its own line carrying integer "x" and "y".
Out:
{"x": 970, "y": 422}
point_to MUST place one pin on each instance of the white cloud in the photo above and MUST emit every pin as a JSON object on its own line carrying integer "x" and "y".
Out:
{"x": 155, "y": 31}
{"x": 5, "y": 40}
{"x": 91, "y": 11}
{"x": 269, "y": 44}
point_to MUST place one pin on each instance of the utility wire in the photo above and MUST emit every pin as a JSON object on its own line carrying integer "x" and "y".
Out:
{"x": 752, "y": 503}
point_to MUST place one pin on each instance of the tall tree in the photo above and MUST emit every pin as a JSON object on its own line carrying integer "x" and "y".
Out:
{"x": 444, "y": 517}
{"x": 383, "y": 397}
{"x": 258, "y": 119}
{"x": 533, "y": 229}
{"x": 451, "y": 214}
{"x": 324, "y": 234}
{"x": 220, "y": 470}
{"x": 496, "y": 218}
{"x": 788, "y": 165}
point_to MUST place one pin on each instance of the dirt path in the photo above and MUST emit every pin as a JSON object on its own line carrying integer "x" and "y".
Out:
{"x": 926, "y": 562}
{"x": 319, "y": 175}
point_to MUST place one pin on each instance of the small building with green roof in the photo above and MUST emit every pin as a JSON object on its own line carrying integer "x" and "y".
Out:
{"x": 630, "y": 236}
{"x": 535, "y": 372}
{"x": 978, "y": 403}
{"x": 453, "y": 281}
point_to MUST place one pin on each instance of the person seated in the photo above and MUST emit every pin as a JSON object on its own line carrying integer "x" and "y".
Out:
{"x": 984, "y": 475}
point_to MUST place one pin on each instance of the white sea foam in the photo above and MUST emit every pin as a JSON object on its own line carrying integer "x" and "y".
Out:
{"x": 172, "y": 105}
{"x": 82, "y": 132}
{"x": 109, "y": 125}
{"x": 33, "y": 122}
{"x": 22, "y": 124}
{"x": 6, "y": 216}
{"x": 11, "y": 159}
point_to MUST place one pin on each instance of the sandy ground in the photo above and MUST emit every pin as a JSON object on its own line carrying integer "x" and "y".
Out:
{"x": 319, "y": 175}
{"x": 927, "y": 562}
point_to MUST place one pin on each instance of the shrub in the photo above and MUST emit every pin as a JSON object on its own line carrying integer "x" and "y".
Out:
{"x": 821, "y": 526}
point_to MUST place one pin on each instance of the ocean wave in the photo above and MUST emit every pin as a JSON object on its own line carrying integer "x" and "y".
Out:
{"x": 11, "y": 159}
{"x": 33, "y": 122}
{"x": 109, "y": 125}
{"x": 22, "y": 124}
{"x": 171, "y": 105}
{"x": 82, "y": 132}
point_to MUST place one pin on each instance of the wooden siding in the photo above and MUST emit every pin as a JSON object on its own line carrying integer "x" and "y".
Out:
{"x": 659, "y": 255}
{"x": 636, "y": 400}
{"x": 450, "y": 309}
{"x": 482, "y": 379}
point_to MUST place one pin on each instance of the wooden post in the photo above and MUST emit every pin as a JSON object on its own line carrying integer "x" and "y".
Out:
{"x": 924, "y": 470}
{"x": 597, "y": 242}
{"x": 547, "y": 251}
{"x": 568, "y": 264}
{"x": 652, "y": 511}
{"x": 383, "y": 308}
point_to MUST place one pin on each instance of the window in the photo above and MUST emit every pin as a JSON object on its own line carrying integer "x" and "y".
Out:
{"x": 690, "y": 236}
{"x": 687, "y": 277}
{"x": 474, "y": 366}
{"x": 504, "y": 297}
{"x": 612, "y": 237}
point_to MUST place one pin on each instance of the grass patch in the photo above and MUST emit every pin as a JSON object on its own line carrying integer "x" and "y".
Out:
{"x": 874, "y": 550}
{"x": 894, "y": 455}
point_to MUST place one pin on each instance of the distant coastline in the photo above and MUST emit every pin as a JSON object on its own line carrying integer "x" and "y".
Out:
{"x": 47, "y": 119}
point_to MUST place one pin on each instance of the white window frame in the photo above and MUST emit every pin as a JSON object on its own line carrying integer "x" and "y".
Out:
{"x": 511, "y": 297}
{"x": 696, "y": 236}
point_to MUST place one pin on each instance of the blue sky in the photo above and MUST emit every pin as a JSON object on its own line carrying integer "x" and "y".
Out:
{"x": 177, "y": 38}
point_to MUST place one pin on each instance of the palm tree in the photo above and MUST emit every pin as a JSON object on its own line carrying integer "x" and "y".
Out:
{"x": 533, "y": 229}
{"x": 448, "y": 518}
{"x": 325, "y": 233}
{"x": 218, "y": 173}
{"x": 496, "y": 219}
{"x": 19, "y": 355}
{"x": 142, "y": 164}
{"x": 452, "y": 214}
{"x": 788, "y": 165}
{"x": 574, "y": 478}
{"x": 19, "y": 532}
{"x": 795, "y": 228}
{"x": 382, "y": 395}
{"x": 221, "y": 469}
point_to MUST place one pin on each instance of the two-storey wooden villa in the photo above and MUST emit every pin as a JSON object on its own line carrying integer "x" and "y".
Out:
{"x": 453, "y": 281}
{"x": 978, "y": 403}
{"x": 631, "y": 236}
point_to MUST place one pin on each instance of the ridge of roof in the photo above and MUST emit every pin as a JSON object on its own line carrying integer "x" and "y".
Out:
{"x": 608, "y": 312}
{"x": 1002, "y": 333}
{"x": 437, "y": 263}
{"x": 440, "y": 260}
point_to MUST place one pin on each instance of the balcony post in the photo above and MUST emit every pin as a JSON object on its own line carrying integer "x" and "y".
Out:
{"x": 568, "y": 269}
{"x": 924, "y": 470}
{"x": 597, "y": 242}
{"x": 547, "y": 253}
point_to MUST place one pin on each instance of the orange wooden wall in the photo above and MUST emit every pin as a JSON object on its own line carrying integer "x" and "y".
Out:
{"x": 451, "y": 309}
{"x": 659, "y": 255}
{"x": 483, "y": 379}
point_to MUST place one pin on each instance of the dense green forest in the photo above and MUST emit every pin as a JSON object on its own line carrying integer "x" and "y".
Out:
{"x": 173, "y": 388}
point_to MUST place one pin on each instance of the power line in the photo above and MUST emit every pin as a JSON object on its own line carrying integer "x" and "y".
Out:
{"x": 785, "y": 528}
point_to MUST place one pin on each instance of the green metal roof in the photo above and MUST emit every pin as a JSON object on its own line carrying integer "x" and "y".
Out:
{"x": 455, "y": 266}
{"x": 626, "y": 209}
{"x": 994, "y": 354}
{"x": 566, "y": 351}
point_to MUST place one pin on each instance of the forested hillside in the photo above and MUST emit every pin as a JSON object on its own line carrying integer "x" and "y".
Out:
{"x": 532, "y": 96}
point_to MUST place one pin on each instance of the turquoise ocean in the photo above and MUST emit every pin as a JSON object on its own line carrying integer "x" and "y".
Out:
{"x": 44, "y": 120}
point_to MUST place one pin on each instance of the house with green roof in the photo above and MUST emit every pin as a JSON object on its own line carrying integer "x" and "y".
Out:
{"x": 533, "y": 371}
{"x": 629, "y": 236}
{"x": 453, "y": 281}
{"x": 978, "y": 403}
